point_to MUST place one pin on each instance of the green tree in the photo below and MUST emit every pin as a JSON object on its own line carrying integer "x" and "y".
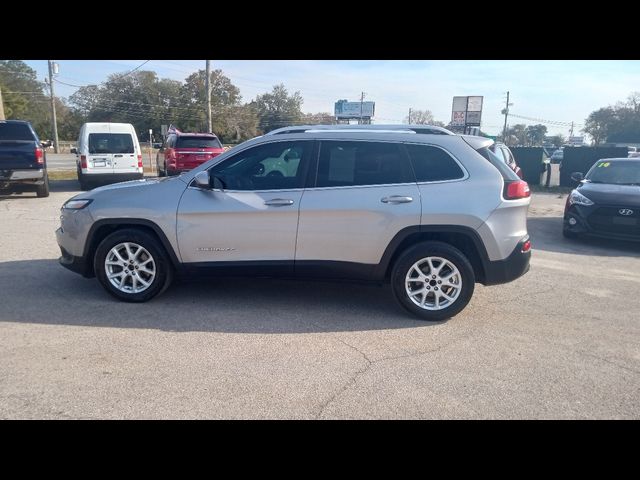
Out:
{"x": 558, "y": 140}
{"x": 535, "y": 134}
{"x": 600, "y": 123}
{"x": 422, "y": 117}
{"x": 517, "y": 135}
{"x": 322, "y": 118}
{"x": 24, "y": 97}
{"x": 278, "y": 109}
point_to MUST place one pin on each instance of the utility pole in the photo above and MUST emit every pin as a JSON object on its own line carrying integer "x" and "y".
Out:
{"x": 361, "y": 102}
{"x": 409, "y": 116}
{"x": 1, "y": 106}
{"x": 571, "y": 132}
{"x": 208, "y": 87}
{"x": 53, "y": 108}
{"x": 506, "y": 114}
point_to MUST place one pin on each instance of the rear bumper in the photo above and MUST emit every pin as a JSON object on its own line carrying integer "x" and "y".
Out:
{"x": 25, "y": 177}
{"x": 512, "y": 267}
{"x": 106, "y": 178}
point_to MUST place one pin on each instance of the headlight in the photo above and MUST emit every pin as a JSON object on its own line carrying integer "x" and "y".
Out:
{"x": 576, "y": 198}
{"x": 76, "y": 204}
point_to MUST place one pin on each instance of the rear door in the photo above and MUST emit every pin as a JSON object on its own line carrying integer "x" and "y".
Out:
{"x": 365, "y": 193}
{"x": 125, "y": 151}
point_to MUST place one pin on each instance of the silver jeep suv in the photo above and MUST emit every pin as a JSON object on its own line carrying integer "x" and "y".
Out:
{"x": 418, "y": 207}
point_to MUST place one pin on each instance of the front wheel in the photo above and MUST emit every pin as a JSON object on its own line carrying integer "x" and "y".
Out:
{"x": 132, "y": 265}
{"x": 433, "y": 280}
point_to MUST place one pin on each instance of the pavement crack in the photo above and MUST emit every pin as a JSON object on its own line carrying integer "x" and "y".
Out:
{"x": 586, "y": 354}
{"x": 351, "y": 381}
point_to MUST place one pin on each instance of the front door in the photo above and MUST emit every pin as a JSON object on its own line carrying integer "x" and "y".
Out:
{"x": 254, "y": 219}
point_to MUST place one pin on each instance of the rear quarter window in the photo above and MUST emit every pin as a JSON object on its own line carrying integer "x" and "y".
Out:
{"x": 433, "y": 164}
{"x": 504, "y": 169}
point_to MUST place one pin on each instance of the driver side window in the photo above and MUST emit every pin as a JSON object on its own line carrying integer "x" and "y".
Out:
{"x": 272, "y": 166}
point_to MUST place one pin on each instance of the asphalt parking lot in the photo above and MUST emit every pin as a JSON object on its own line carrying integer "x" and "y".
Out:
{"x": 561, "y": 342}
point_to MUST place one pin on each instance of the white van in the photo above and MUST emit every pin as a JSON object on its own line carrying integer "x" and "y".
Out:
{"x": 108, "y": 153}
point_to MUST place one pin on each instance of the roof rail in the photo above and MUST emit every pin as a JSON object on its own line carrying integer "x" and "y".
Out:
{"x": 420, "y": 129}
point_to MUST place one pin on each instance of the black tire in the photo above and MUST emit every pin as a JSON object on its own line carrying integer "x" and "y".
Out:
{"x": 164, "y": 269}
{"x": 432, "y": 249}
{"x": 83, "y": 183}
{"x": 162, "y": 173}
{"x": 43, "y": 190}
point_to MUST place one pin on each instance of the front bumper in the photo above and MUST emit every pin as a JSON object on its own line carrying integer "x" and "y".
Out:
{"x": 512, "y": 267}
{"x": 582, "y": 214}
{"x": 75, "y": 264}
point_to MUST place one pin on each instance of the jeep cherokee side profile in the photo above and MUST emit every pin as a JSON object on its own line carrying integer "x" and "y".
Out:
{"x": 418, "y": 207}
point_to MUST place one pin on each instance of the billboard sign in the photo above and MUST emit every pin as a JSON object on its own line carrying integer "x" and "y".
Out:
{"x": 344, "y": 109}
{"x": 466, "y": 111}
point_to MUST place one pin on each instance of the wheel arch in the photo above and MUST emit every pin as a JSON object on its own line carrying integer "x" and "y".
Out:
{"x": 465, "y": 239}
{"x": 102, "y": 228}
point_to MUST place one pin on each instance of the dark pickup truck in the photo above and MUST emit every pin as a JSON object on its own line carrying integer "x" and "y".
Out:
{"x": 23, "y": 162}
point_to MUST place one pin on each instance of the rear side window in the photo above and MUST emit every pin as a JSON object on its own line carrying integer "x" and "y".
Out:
{"x": 198, "y": 142}
{"x": 432, "y": 164}
{"x": 15, "y": 131}
{"x": 506, "y": 172}
{"x": 362, "y": 163}
{"x": 110, "y": 143}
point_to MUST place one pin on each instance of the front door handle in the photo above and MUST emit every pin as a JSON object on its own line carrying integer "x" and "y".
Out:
{"x": 396, "y": 199}
{"x": 278, "y": 202}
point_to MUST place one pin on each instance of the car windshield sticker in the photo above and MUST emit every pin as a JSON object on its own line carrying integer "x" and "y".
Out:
{"x": 604, "y": 164}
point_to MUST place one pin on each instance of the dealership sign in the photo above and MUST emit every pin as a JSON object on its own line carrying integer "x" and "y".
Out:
{"x": 466, "y": 111}
{"x": 344, "y": 109}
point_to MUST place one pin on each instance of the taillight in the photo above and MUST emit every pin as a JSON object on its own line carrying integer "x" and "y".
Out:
{"x": 526, "y": 246}
{"x": 139, "y": 161}
{"x": 83, "y": 161}
{"x": 39, "y": 156}
{"x": 517, "y": 189}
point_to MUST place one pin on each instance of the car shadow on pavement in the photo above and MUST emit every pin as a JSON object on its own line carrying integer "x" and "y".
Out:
{"x": 49, "y": 294}
{"x": 64, "y": 186}
{"x": 546, "y": 234}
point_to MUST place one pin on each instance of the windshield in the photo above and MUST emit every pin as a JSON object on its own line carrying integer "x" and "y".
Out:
{"x": 198, "y": 142}
{"x": 615, "y": 172}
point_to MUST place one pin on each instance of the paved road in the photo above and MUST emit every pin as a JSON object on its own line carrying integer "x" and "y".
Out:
{"x": 61, "y": 161}
{"x": 561, "y": 342}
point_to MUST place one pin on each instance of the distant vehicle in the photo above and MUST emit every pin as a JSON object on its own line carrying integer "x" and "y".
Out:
{"x": 23, "y": 161}
{"x": 185, "y": 151}
{"x": 503, "y": 153}
{"x": 107, "y": 153}
{"x": 557, "y": 156}
{"x": 633, "y": 152}
{"x": 607, "y": 201}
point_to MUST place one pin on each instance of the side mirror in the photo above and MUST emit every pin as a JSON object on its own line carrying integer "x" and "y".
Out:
{"x": 202, "y": 180}
{"x": 74, "y": 151}
{"x": 577, "y": 176}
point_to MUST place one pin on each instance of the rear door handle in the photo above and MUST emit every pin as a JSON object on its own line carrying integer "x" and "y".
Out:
{"x": 278, "y": 202}
{"x": 396, "y": 199}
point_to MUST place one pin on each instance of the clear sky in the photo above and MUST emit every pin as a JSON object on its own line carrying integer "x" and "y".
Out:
{"x": 554, "y": 91}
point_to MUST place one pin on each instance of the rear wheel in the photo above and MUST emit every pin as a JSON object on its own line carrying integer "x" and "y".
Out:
{"x": 433, "y": 280}
{"x": 43, "y": 190}
{"x": 162, "y": 173}
{"x": 83, "y": 181}
{"x": 132, "y": 265}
